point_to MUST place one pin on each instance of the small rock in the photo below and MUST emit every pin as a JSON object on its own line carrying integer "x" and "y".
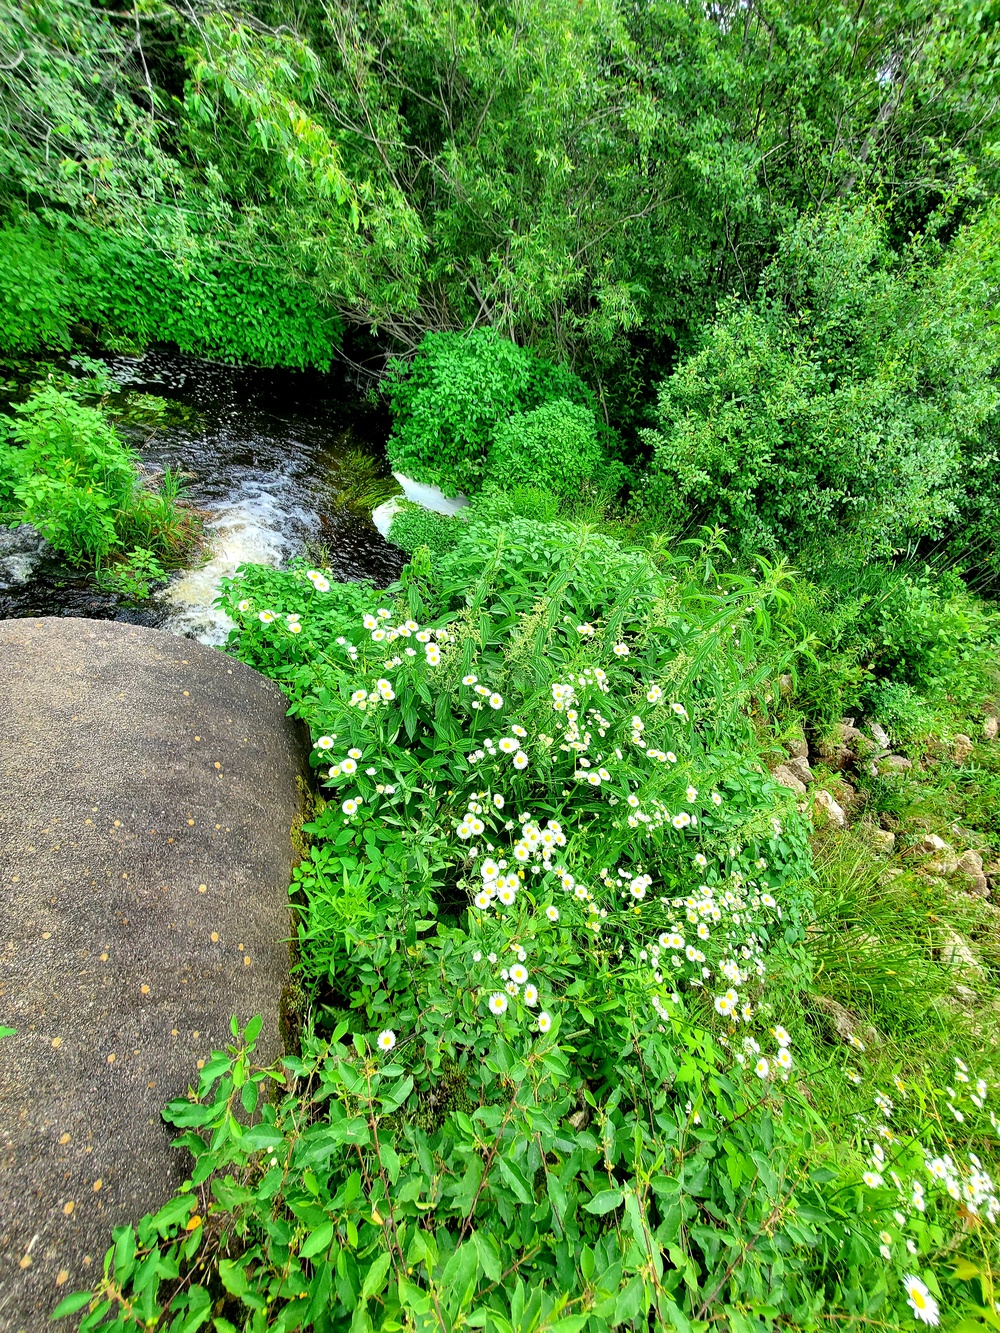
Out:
{"x": 846, "y": 796}
{"x": 946, "y": 865}
{"x": 970, "y": 867}
{"x": 961, "y": 748}
{"x": 881, "y": 838}
{"x": 22, "y": 540}
{"x": 799, "y": 765}
{"x": 929, "y": 843}
{"x": 22, "y": 550}
{"x": 835, "y": 755}
{"x": 849, "y": 730}
{"x": 894, "y": 763}
{"x": 835, "y": 748}
{"x": 990, "y": 728}
{"x": 957, "y": 953}
{"x": 834, "y": 814}
{"x": 970, "y": 863}
{"x": 787, "y": 778}
{"x": 880, "y": 736}
{"x": 798, "y": 746}
{"x": 845, "y": 1024}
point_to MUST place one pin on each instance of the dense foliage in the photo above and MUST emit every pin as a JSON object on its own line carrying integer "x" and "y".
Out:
{"x": 555, "y": 918}
{"x": 127, "y": 294}
{"x": 450, "y": 400}
{"x": 64, "y": 469}
{"x": 590, "y": 176}
{"x": 583, "y": 979}
{"x": 849, "y": 396}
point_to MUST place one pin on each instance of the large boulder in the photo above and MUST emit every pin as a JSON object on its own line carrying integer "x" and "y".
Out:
{"x": 148, "y": 790}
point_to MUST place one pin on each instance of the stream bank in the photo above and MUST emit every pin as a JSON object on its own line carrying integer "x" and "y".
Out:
{"x": 266, "y": 456}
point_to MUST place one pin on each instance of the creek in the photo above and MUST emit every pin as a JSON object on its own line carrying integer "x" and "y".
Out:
{"x": 266, "y": 456}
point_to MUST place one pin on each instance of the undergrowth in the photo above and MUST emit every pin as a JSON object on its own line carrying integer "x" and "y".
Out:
{"x": 599, "y": 1038}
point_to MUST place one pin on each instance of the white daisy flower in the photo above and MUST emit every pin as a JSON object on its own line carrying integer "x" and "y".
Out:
{"x": 520, "y": 760}
{"x": 552, "y": 913}
{"x": 496, "y": 701}
{"x": 531, "y": 995}
{"x": 920, "y": 1301}
{"x": 386, "y": 1040}
{"x": 265, "y": 617}
{"x": 544, "y": 1022}
{"x": 519, "y": 973}
{"x": 243, "y": 606}
{"x": 324, "y": 743}
{"x": 498, "y": 1003}
{"x": 350, "y": 806}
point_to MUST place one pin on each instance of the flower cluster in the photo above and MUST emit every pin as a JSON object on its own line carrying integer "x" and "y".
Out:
{"x": 484, "y": 693}
{"x": 710, "y": 935}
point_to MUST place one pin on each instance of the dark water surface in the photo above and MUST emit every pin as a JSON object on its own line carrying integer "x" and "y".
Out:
{"x": 267, "y": 458}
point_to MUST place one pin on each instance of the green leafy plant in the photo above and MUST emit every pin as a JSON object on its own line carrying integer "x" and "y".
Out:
{"x": 132, "y": 577}
{"x": 64, "y": 469}
{"x": 448, "y": 402}
{"x": 547, "y": 1086}
{"x": 554, "y": 448}
{"x": 841, "y": 399}
{"x": 413, "y": 526}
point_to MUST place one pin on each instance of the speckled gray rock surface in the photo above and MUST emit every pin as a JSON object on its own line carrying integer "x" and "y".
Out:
{"x": 147, "y": 793}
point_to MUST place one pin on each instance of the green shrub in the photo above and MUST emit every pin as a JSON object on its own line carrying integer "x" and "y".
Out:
{"x": 840, "y": 404}
{"x": 131, "y": 293}
{"x": 414, "y": 526}
{"x": 449, "y": 400}
{"x": 909, "y": 626}
{"x": 516, "y": 502}
{"x": 64, "y": 469}
{"x": 554, "y": 447}
{"x": 35, "y": 308}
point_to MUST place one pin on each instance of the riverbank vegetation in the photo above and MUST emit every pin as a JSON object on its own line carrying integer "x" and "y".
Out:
{"x": 65, "y": 471}
{"x": 646, "y": 924}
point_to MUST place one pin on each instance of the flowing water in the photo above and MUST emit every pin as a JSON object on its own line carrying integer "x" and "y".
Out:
{"x": 266, "y": 458}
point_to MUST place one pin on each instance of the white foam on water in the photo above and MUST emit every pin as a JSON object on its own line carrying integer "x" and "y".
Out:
{"x": 255, "y": 526}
